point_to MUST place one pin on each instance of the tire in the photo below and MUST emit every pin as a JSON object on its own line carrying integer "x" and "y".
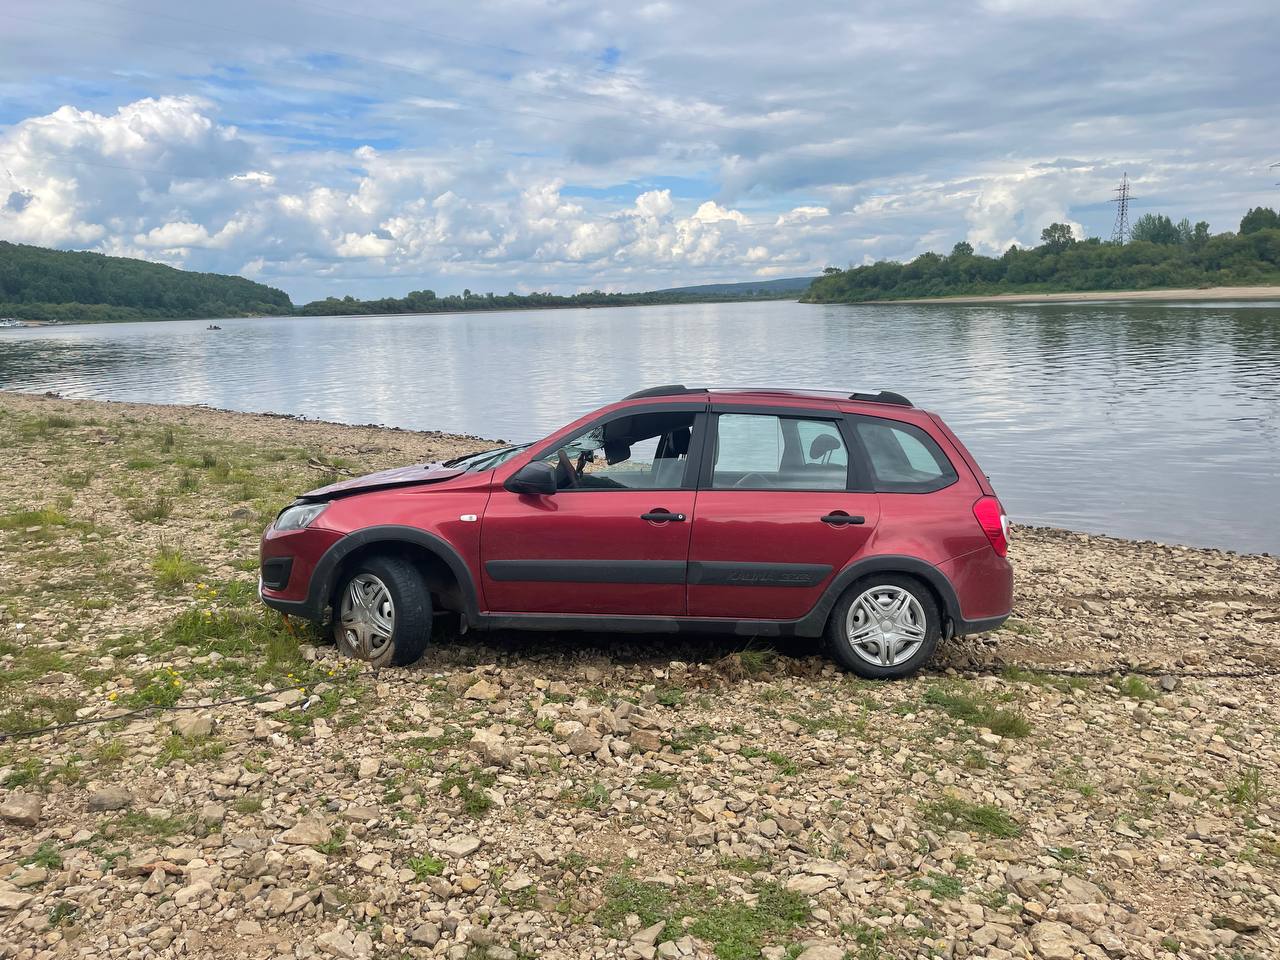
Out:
{"x": 909, "y": 643}
{"x": 392, "y": 615}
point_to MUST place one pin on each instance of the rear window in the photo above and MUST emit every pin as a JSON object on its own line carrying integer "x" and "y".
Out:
{"x": 903, "y": 458}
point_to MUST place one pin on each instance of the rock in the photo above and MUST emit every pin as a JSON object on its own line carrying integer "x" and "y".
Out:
{"x": 213, "y": 814}
{"x": 1052, "y": 940}
{"x": 649, "y": 935}
{"x": 427, "y": 934}
{"x": 493, "y": 749}
{"x": 646, "y": 741}
{"x": 1238, "y": 923}
{"x": 369, "y": 768}
{"x": 307, "y": 833}
{"x": 517, "y": 881}
{"x": 583, "y": 742}
{"x": 482, "y": 690}
{"x": 289, "y": 697}
{"x": 359, "y": 814}
{"x": 460, "y": 847}
{"x": 193, "y": 724}
{"x": 21, "y": 808}
{"x": 13, "y": 900}
{"x": 822, "y": 951}
{"x": 193, "y": 892}
{"x": 809, "y": 885}
{"x": 155, "y": 883}
{"x": 336, "y": 943}
{"x": 110, "y": 798}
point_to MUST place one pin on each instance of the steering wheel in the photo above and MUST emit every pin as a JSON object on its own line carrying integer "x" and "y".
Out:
{"x": 753, "y": 480}
{"x": 566, "y": 470}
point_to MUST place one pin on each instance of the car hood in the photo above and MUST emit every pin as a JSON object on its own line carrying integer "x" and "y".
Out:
{"x": 395, "y": 477}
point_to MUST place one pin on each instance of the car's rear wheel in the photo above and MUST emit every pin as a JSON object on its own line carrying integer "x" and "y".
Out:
{"x": 884, "y": 626}
{"x": 382, "y": 612}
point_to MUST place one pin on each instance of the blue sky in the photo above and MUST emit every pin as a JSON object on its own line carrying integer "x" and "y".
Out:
{"x": 533, "y": 145}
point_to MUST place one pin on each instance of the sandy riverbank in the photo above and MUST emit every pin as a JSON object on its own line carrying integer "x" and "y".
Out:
{"x": 1117, "y": 296}
{"x": 567, "y": 796}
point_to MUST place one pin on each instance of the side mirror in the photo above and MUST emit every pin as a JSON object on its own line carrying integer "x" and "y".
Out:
{"x": 536, "y": 478}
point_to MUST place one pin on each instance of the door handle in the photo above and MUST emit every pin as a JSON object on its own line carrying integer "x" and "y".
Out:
{"x": 839, "y": 519}
{"x": 661, "y": 516}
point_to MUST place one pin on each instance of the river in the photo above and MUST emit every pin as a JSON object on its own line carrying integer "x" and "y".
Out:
{"x": 1151, "y": 421}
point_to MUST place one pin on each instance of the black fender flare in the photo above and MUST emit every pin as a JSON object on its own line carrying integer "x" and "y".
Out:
{"x": 322, "y": 579}
{"x": 815, "y": 621}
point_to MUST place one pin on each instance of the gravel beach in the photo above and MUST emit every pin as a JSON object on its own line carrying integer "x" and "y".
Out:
{"x": 1097, "y": 779}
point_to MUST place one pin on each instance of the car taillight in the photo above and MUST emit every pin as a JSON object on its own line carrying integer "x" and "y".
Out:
{"x": 994, "y": 524}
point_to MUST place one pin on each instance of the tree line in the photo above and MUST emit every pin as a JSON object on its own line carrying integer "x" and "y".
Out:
{"x": 1161, "y": 253}
{"x": 41, "y": 284}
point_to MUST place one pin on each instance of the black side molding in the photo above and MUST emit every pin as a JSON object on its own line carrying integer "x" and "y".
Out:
{"x": 587, "y": 571}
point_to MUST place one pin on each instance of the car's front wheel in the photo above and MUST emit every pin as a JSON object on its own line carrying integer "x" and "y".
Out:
{"x": 382, "y": 612}
{"x": 884, "y": 626}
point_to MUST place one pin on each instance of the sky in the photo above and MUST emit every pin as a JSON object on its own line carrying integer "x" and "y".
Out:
{"x": 330, "y": 148}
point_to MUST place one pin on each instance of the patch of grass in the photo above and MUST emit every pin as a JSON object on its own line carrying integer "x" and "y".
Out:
{"x": 657, "y": 781}
{"x": 625, "y": 895}
{"x": 737, "y": 931}
{"x": 63, "y": 912}
{"x": 758, "y": 663}
{"x": 594, "y": 797}
{"x": 693, "y": 737}
{"x": 977, "y": 711}
{"x": 31, "y": 712}
{"x": 191, "y": 751}
{"x": 939, "y": 885}
{"x": 163, "y": 688}
{"x": 173, "y": 569}
{"x": 669, "y": 696}
{"x": 138, "y": 824}
{"x": 247, "y": 805}
{"x": 426, "y": 866}
{"x": 152, "y": 511}
{"x": 77, "y": 479}
{"x": 976, "y": 817}
{"x": 1246, "y": 789}
{"x": 334, "y": 844}
{"x": 471, "y": 790}
{"x": 140, "y": 463}
{"x": 1042, "y": 679}
{"x": 47, "y": 855}
{"x": 784, "y": 764}
{"x": 744, "y": 864}
{"x": 188, "y": 482}
{"x": 1136, "y": 688}
{"x": 24, "y": 773}
{"x": 43, "y": 517}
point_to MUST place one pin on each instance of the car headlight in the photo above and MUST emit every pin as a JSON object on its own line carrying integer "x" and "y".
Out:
{"x": 297, "y": 517}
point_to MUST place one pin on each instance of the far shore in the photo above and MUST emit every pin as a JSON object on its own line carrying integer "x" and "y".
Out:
{"x": 1117, "y": 296}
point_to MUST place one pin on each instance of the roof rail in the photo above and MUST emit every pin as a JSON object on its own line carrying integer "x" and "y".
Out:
{"x": 667, "y": 390}
{"x": 882, "y": 396}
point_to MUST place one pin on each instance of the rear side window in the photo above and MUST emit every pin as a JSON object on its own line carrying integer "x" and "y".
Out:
{"x": 903, "y": 458}
{"x": 766, "y": 452}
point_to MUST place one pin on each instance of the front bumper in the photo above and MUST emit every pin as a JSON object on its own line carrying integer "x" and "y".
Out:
{"x": 287, "y": 564}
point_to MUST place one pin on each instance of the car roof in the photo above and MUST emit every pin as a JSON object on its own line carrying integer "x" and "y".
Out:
{"x": 783, "y": 393}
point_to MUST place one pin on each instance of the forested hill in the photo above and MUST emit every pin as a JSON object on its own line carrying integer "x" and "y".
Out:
{"x": 41, "y": 284}
{"x": 1161, "y": 254}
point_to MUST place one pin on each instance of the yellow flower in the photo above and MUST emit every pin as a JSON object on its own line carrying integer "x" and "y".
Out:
{"x": 111, "y": 696}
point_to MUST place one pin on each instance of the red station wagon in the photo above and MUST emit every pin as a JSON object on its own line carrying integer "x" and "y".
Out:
{"x": 758, "y": 512}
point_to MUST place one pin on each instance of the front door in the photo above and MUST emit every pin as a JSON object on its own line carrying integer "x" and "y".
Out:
{"x": 777, "y": 517}
{"x": 613, "y": 540}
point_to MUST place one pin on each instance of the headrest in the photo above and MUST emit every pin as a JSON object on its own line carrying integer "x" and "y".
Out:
{"x": 822, "y": 445}
{"x": 679, "y": 444}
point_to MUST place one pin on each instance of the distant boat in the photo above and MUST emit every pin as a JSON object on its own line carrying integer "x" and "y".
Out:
{"x": 11, "y": 322}
{"x": 213, "y": 326}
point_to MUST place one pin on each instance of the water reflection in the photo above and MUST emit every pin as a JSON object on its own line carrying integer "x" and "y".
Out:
{"x": 1147, "y": 420}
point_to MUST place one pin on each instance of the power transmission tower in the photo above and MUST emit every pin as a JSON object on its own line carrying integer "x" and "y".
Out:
{"x": 1120, "y": 234}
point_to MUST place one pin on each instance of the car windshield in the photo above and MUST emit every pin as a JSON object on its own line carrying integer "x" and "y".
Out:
{"x": 485, "y": 459}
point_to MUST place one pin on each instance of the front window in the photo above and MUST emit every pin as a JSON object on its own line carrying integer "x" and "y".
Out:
{"x": 645, "y": 451}
{"x": 761, "y": 452}
{"x": 485, "y": 459}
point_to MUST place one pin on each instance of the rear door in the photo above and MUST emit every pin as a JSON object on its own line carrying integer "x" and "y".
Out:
{"x": 781, "y": 508}
{"x": 614, "y": 538}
